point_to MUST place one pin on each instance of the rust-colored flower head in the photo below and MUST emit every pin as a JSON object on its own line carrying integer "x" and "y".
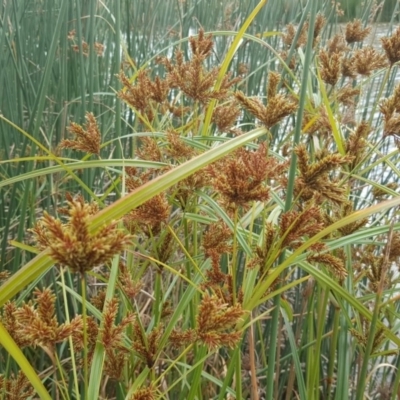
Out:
{"x": 290, "y": 34}
{"x": 73, "y": 245}
{"x": 348, "y": 68}
{"x": 335, "y": 264}
{"x": 146, "y": 345}
{"x": 330, "y": 66}
{"x": 16, "y": 387}
{"x": 278, "y": 106}
{"x": 355, "y": 32}
{"x": 294, "y": 225}
{"x": 346, "y": 95}
{"x": 367, "y": 60}
{"x": 87, "y": 138}
{"x": 35, "y": 323}
{"x": 320, "y": 21}
{"x": 216, "y": 323}
{"x": 391, "y": 45}
{"x": 317, "y": 121}
{"x": 225, "y": 116}
{"x": 177, "y": 149}
{"x": 241, "y": 177}
{"x": 315, "y": 180}
{"x": 192, "y": 78}
{"x": 337, "y": 44}
{"x": 390, "y": 108}
{"x": 145, "y": 393}
{"x": 356, "y": 143}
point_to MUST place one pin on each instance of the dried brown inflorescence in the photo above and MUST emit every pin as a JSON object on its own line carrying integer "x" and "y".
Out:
{"x": 368, "y": 60}
{"x": 145, "y": 393}
{"x": 355, "y": 32}
{"x": 346, "y": 95}
{"x": 150, "y": 216}
{"x": 390, "y": 108}
{"x": 215, "y": 244}
{"x": 35, "y": 323}
{"x": 241, "y": 178}
{"x": 337, "y": 44}
{"x": 334, "y": 264}
{"x": 16, "y": 387}
{"x": 87, "y": 137}
{"x": 317, "y": 121}
{"x": 292, "y": 31}
{"x": 146, "y": 345}
{"x": 130, "y": 286}
{"x": 144, "y": 94}
{"x": 278, "y": 105}
{"x": 391, "y": 45}
{"x": 348, "y": 68}
{"x": 290, "y": 34}
{"x": 4, "y": 275}
{"x": 192, "y": 78}
{"x": 295, "y": 226}
{"x": 225, "y": 116}
{"x": 177, "y": 150}
{"x": 357, "y": 143}
{"x": 216, "y": 325}
{"x": 330, "y": 64}
{"x": 315, "y": 180}
{"x": 111, "y": 337}
{"x": 72, "y": 245}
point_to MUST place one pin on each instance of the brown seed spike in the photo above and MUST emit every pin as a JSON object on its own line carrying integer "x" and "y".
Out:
{"x": 355, "y": 32}
{"x": 87, "y": 138}
{"x": 73, "y": 246}
{"x": 330, "y": 66}
{"x": 391, "y": 46}
{"x": 367, "y": 60}
{"x": 278, "y": 107}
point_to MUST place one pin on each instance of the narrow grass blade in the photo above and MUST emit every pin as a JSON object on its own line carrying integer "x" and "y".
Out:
{"x": 12, "y": 348}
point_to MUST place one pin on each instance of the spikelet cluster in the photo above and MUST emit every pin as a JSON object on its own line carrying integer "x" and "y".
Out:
{"x": 278, "y": 105}
{"x": 241, "y": 178}
{"x": 87, "y": 137}
{"x": 71, "y": 244}
{"x": 315, "y": 181}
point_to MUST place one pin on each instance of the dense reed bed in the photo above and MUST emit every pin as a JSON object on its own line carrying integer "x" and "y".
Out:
{"x": 198, "y": 201}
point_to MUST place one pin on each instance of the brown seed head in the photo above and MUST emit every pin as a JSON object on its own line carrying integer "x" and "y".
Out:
{"x": 73, "y": 246}
{"x": 216, "y": 323}
{"x": 146, "y": 393}
{"x": 391, "y": 45}
{"x": 337, "y": 44}
{"x": 278, "y": 107}
{"x": 87, "y": 138}
{"x": 367, "y": 60}
{"x": 241, "y": 177}
{"x": 330, "y": 66}
{"x": 355, "y": 32}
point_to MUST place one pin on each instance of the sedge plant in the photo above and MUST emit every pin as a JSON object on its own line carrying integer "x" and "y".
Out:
{"x": 240, "y": 240}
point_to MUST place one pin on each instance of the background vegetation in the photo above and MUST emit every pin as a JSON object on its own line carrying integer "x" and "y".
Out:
{"x": 166, "y": 273}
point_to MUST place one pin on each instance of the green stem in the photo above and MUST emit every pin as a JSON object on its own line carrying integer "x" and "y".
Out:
{"x": 332, "y": 356}
{"x": 85, "y": 338}
{"x": 234, "y": 253}
{"x": 238, "y": 373}
{"x": 289, "y": 194}
{"x": 71, "y": 343}
{"x": 320, "y": 331}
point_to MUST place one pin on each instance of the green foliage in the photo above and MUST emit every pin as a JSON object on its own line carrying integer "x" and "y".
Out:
{"x": 191, "y": 213}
